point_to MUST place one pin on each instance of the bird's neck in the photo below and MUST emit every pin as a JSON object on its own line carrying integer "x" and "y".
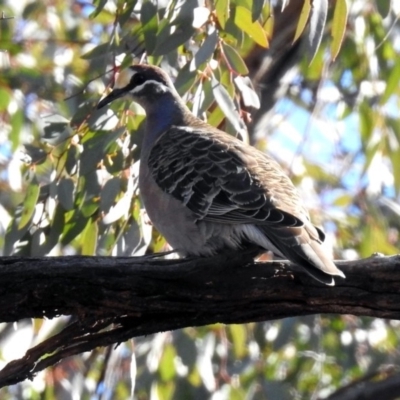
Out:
{"x": 161, "y": 114}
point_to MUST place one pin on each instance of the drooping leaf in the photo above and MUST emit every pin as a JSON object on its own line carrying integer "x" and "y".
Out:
{"x": 73, "y": 227}
{"x": 99, "y": 51}
{"x": 109, "y": 193}
{"x": 392, "y": 83}
{"x": 185, "y": 79}
{"x": 173, "y": 36}
{"x": 244, "y": 21}
{"x": 149, "y": 21}
{"x": 249, "y": 96}
{"x": 118, "y": 210}
{"x": 5, "y": 97}
{"x": 256, "y": 9}
{"x": 319, "y": 12}
{"x": 383, "y": 7}
{"x": 226, "y": 104}
{"x": 235, "y": 61}
{"x": 238, "y": 333}
{"x": 65, "y": 193}
{"x": 304, "y": 16}
{"x": 222, "y": 10}
{"x": 95, "y": 146}
{"x": 205, "y": 52}
{"x": 338, "y": 27}
{"x": 29, "y": 204}
{"x": 99, "y": 7}
{"x": 89, "y": 238}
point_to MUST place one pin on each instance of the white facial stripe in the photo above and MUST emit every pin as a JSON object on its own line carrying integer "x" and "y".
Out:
{"x": 123, "y": 79}
{"x": 158, "y": 85}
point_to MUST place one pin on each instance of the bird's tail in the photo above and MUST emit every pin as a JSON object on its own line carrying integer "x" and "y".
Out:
{"x": 303, "y": 246}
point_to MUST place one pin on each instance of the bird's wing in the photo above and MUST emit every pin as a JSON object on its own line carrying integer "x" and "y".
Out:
{"x": 220, "y": 179}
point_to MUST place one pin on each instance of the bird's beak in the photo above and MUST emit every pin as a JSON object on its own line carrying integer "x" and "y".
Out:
{"x": 115, "y": 94}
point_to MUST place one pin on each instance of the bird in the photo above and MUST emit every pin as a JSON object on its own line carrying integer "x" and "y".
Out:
{"x": 209, "y": 193}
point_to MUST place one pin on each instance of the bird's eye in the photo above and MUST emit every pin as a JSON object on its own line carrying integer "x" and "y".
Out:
{"x": 137, "y": 79}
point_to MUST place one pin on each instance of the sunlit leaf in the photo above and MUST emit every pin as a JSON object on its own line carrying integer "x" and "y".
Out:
{"x": 338, "y": 26}
{"x": 89, "y": 238}
{"x": 392, "y": 83}
{"x": 235, "y": 61}
{"x": 205, "y": 52}
{"x": 109, "y": 193}
{"x": 226, "y": 104}
{"x": 166, "y": 367}
{"x": 29, "y": 205}
{"x": 319, "y": 12}
{"x": 238, "y": 333}
{"x": 222, "y": 10}
{"x": 253, "y": 29}
{"x": 304, "y": 15}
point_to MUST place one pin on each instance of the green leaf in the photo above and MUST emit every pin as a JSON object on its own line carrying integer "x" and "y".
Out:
{"x": 109, "y": 193}
{"x": 35, "y": 154}
{"x": 205, "y": 52}
{"x": 56, "y": 228}
{"x": 28, "y": 207}
{"x": 226, "y": 104}
{"x": 222, "y": 10}
{"x": 89, "y": 238}
{"x": 167, "y": 368}
{"x": 56, "y": 132}
{"x": 5, "y": 97}
{"x": 185, "y": 79}
{"x": 234, "y": 60}
{"x": 149, "y": 21}
{"x": 367, "y": 122}
{"x": 392, "y": 83}
{"x": 17, "y": 121}
{"x": 319, "y": 12}
{"x": 95, "y": 146}
{"x": 99, "y": 51}
{"x": 65, "y": 193}
{"x": 99, "y": 7}
{"x": 238, "y": 333}
{"x": 244, "y": 21}
{"x": 256, "y": 9}
{"x": 73, "y": 227}
{"x": 71, "y": 162}
{"x": 304, "y": 15}
{"x": 383, "y": 7}
{"x": 169, "y": 39}
{"x": 338, "y": 27}
{"x": 118, "y": 210}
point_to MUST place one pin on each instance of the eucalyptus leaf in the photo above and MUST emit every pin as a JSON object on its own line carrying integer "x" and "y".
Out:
{"x": 319, "y": 12}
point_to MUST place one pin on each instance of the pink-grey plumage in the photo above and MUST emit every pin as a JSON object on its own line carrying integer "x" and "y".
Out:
{"x": 208, "y": 192}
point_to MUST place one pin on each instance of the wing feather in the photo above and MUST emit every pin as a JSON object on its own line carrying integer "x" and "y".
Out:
{"x": 220, "y": 180}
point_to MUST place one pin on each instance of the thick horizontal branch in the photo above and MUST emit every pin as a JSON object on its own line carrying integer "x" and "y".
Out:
{"x": 201, "y": 291}
{"x": 114, "y": 299}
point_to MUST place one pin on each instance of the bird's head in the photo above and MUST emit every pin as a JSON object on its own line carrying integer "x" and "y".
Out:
{"x": 144, "y": 83}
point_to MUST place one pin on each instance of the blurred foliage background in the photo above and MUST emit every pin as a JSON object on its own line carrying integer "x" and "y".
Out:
{"x": 313, "y": 83}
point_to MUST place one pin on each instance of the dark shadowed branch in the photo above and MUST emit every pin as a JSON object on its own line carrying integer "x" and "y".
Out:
{"x": 114, "y": 299}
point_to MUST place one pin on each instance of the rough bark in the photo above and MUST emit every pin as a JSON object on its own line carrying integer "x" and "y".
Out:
{"x": 114, "y": 299}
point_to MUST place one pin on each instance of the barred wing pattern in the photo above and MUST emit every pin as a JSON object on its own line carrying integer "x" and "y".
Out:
{"x": 217, "y": 178}
{"x": 223, "y": 181}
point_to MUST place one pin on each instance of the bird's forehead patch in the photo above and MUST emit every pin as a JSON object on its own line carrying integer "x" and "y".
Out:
{"x": 123, "y": 79}
{"x": 156, "y": 86}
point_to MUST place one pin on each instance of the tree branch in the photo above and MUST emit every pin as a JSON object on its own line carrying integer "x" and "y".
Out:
{"x": 114, "y": 299}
